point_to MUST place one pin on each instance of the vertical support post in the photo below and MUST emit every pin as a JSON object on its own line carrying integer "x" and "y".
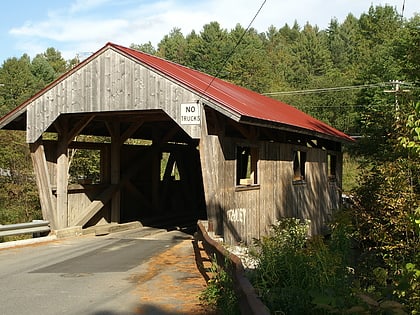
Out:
{"x": 43, "y": 182}
{"x": 210, "y": 172}
{"x": 62, "y": 177}
{"x": 155, "y": 177}
{"x": 114, "y": 129}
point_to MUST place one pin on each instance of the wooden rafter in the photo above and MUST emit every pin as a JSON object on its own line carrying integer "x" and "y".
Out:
{"x": 130, "y": 131}
{"x": 78, "y": 127}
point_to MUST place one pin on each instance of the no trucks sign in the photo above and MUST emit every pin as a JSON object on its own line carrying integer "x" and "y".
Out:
{"x": 190, "y": 114}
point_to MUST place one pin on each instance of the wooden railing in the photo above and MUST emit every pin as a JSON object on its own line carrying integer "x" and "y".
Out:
{"x": 249, "y": 302}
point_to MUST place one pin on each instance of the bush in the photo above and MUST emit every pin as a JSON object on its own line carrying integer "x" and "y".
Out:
{"x": 386, "y": 228}
{"x": 300, "y": 276}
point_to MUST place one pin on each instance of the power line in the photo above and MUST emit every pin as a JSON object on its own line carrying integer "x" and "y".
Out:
{"x": 325, "y": 90}
{"x": 343, "y": 106}
{"x": 236, "y": 46}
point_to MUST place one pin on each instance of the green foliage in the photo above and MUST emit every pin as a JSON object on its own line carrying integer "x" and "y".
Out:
{"x": 219, "y": 293}
{"x": 54, "y": 58}
{"x": 300, "y": 276}
{"x": 411, "y": 140}
{"x": 20, "y": 79}
{"x": 18, "y": 193}
{"x": 351, "y": 170}
{"x": 387, "y": 230}
{"x": 18, "y": 83}
{"x": 147, "y": 48}
{"x": 386, "y": 215}
{"x": 248, "y": 66}
{"x": 316, "y": 276}
{"x": 173, "y": 47}
{"x": 377, "y": 47}
{"x": 207, "y": 52}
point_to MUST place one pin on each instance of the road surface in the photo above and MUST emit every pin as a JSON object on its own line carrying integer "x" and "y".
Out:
{"x": 122, "y": 273}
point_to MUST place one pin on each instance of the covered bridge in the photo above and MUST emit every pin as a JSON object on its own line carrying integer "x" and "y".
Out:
{"x": 175, "y": 143}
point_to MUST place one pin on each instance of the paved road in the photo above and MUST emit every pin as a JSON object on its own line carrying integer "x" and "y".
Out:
{"x": 86, "y": 275}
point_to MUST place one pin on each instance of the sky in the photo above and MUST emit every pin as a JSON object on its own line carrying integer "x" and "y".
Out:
{"x": 81, "y": 27}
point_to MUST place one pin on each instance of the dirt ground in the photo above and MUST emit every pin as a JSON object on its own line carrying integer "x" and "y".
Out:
{"x": 171, "y": 283}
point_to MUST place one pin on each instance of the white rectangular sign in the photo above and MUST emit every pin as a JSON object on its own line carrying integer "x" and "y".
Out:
{"x": 190, "y": 114}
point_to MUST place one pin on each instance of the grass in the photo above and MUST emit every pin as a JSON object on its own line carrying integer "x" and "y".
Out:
{"x": 351, "y": 173}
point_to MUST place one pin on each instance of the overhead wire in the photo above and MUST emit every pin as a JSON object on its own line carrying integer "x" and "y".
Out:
{"x": 236, "y": 46}
{"x": 325, "y": 90}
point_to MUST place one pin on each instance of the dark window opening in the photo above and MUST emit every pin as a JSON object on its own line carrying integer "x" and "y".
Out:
{"x": 246, "y": 166}
{"x": 332, "y": 167}
{"x": 299, "y": 163}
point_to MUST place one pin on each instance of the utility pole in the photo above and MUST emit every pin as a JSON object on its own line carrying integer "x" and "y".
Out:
{"x": 396, "y": 89}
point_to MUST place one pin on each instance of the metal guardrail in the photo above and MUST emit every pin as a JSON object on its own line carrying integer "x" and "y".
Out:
{"x": 36, "y": 226}
{"x": 249, "y": 302}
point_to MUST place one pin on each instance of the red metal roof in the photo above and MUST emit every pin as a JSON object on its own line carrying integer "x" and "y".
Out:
{"x": 243, "y": 103}
{"x": 239, "y": 100}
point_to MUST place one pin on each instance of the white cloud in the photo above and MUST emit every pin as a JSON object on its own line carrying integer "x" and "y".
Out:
{"x": 85, "y": 5}
{"x": 86, "y": 25}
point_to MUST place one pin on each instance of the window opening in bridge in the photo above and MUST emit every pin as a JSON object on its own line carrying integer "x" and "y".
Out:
{"x": 85, "y": 166}
{"x": 246, "y": 166}
{"x": 168, "y": 167}
{"x": 332, "y": 167}
{"x": 143, "y": 142}
{"x": 299, "y": 164}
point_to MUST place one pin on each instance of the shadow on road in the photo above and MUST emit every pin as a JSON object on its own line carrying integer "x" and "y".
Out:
{"x": 147, "y": 309}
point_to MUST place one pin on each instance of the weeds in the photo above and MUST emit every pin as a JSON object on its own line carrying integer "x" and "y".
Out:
{"x": 300, "y": 276}
{"x": 219, "y": 293}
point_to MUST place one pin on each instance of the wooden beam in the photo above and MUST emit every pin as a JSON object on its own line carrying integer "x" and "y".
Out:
{"x": 130, "y": 131}
{"x": 169, "y": 135}
{"x": 62, "y": 176}
{"x": 43, "y": 182}
{"x": 78, "y": 127}
{"x": 81, "y": 145}
{"x": 115, "y": 132}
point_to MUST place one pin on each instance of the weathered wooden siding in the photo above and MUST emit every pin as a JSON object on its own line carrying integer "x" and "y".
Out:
{"x": 109, "y": 82}
{"x": 241, "y": 214}
{"x": 80, "y": 198}
{"x": 212, "y": 164}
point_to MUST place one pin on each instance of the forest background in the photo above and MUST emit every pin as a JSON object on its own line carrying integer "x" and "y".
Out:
{"x": 361, "y": 75}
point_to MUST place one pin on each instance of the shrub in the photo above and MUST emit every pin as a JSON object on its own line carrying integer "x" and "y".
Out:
{"x": 300, "y": 276}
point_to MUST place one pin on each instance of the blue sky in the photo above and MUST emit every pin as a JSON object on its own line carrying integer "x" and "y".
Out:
{"x": 84, "y": 26}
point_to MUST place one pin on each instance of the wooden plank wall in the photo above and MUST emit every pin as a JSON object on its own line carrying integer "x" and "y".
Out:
{"x": 248, "y": 213}
{"x": 80, "y": 198}
{"x": 212, "y": 165}
{"x": 109, "y": 82}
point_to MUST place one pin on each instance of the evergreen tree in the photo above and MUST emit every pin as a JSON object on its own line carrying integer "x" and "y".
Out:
{"x": 173, "y": 47}
{"x": 247, "y": 65}
{"x": 43, "y": 71}
{"x": 18, "y": 83}
{"x": 56, "y": 61}
{"x": 208, "y": 51}
{"x": 147, "y": 48}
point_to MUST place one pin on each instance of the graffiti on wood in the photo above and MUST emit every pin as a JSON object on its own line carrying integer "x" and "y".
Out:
{"x": 237, "y": 215}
